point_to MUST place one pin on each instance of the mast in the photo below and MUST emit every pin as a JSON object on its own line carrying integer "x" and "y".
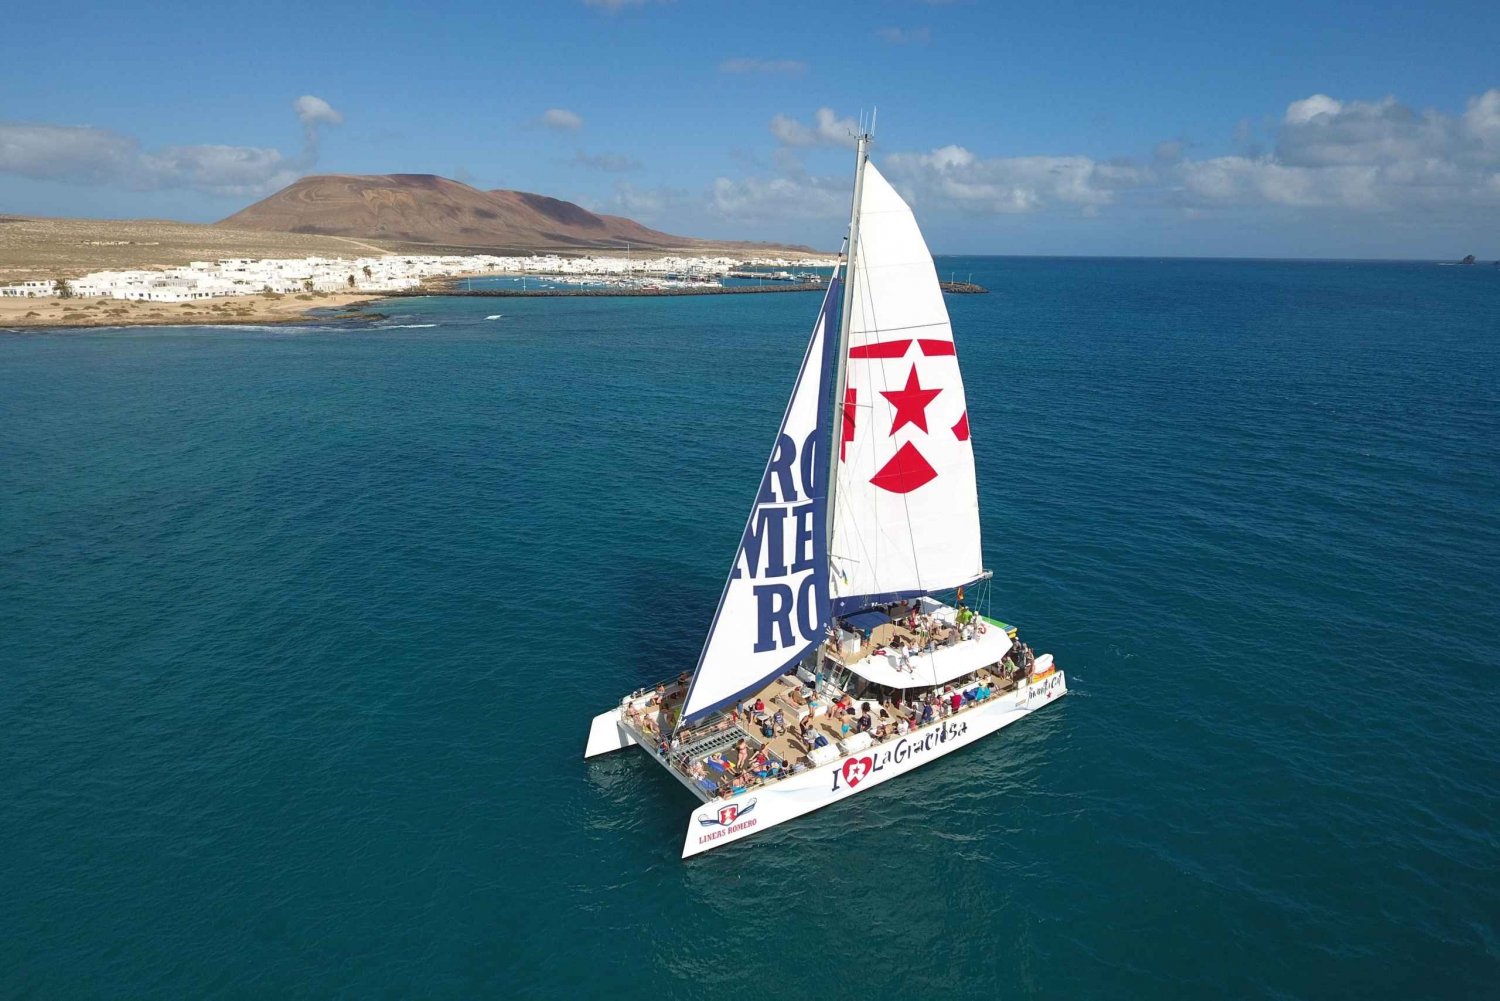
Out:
{"x": 862, "y": 154}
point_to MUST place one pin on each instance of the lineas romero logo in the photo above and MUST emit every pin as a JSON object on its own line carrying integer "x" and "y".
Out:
{"x": 727, "y": 815}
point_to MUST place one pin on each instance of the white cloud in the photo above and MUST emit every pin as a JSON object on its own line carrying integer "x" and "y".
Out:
{"x": 653, "y": 203}
{"x": 905, "y": 36}
{"x": 780, "y": 199}
{"x": 1305, "y": 110}
{"x": 82, "y": 154}
{"x": 314, "y": 110}
{"x": 1481, "y": 120}
{"x": 954, "y": 177}
{"x": 561, "y": 119}
{"x": 1350, "y": 156}
{"x": 1362, "y": 155}
{"x": 783, "y": 67}
{"x": 827, "y": 130}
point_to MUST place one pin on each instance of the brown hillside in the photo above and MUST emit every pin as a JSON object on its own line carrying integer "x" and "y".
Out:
{"x": 426, "y": 209}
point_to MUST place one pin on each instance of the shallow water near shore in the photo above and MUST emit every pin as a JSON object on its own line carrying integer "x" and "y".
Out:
{"x": 302, "y": 627}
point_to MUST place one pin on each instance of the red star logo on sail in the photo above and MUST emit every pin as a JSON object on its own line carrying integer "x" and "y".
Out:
{"x": 910, "y": 403}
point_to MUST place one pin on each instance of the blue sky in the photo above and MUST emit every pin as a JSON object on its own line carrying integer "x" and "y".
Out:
{"x": 1269, "y": 129}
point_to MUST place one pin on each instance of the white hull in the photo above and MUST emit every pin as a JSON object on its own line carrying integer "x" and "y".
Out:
{"x": 719, "y": 822}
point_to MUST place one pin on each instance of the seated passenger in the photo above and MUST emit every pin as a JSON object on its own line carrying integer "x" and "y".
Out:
{"x": 819, "y": 740}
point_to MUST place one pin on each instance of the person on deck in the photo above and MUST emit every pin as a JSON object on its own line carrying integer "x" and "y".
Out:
{"x": 741, "y": 753}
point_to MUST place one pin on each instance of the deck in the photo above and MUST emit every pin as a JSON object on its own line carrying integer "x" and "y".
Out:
{"x": 709, "y": 758}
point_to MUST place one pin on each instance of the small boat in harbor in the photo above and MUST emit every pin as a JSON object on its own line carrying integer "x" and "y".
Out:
{"x": 853, "y": 641}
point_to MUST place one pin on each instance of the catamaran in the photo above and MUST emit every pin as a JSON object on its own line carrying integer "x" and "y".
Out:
{"x": 853, "y": 641}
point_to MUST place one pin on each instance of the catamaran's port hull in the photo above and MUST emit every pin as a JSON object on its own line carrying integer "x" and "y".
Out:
{"x": 719, "y": 822}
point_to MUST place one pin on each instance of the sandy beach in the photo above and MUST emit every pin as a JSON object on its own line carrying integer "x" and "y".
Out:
{"x": 17, "y": 313}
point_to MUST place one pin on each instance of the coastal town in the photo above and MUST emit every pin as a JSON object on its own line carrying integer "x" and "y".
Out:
{"x": 388, "y": 273}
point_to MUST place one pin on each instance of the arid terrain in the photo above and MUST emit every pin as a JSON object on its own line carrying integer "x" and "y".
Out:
{"x": 53, "y": 312}
{"x": 32, "y": 247}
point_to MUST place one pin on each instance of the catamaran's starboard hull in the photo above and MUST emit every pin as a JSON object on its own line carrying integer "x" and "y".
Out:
{"x": 722, "y": 821}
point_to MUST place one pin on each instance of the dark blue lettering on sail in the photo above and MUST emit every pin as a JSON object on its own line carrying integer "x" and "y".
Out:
{"x": 774, "y": 608}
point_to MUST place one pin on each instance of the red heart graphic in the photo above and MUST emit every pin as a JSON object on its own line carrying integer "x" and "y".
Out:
{"x": 855, "y": 770}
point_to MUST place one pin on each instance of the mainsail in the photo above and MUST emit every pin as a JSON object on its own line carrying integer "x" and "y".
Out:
{"x": 775, "y": 603}
{"x": 906, "y": 508}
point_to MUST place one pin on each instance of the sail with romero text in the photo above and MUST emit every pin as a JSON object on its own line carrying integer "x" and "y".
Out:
{"x": 775, "y": 603}
{"x": 906, "y": 507}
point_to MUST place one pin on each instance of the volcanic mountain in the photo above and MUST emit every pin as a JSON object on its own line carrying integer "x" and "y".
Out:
{"x": 435, "y": 211}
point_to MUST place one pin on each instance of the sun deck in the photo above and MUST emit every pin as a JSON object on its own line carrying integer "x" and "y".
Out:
{"x": 808, "y": 718}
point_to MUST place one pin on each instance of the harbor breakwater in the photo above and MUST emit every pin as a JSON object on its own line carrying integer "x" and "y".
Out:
{"x": 450, "y": 288}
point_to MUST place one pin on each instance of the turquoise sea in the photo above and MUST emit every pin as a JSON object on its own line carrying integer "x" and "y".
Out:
{"x": 301, "y": 630}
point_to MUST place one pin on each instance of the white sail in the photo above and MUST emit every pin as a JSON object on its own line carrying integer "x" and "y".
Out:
{"x": 775, "y": 603}
{"x": 906, "y": 509}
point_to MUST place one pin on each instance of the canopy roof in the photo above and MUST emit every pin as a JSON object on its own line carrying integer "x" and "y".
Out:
{"x": 937, "y": 667}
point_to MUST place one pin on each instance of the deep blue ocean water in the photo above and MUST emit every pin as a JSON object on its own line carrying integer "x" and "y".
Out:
{"x": 301, "y": 630}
